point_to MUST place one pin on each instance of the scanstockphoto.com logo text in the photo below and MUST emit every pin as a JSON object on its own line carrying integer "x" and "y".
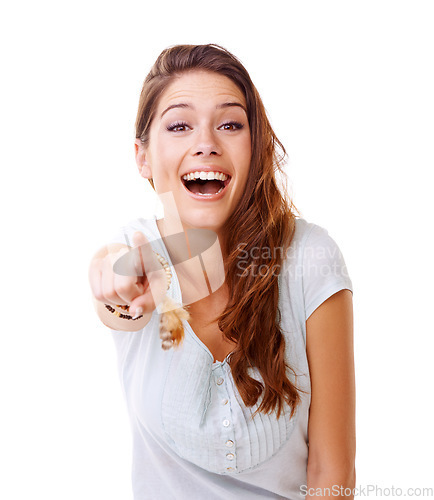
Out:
{"x": 367, "y": 490}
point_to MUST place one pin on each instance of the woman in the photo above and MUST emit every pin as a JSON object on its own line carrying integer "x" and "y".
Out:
{"x": 255, "y": 399}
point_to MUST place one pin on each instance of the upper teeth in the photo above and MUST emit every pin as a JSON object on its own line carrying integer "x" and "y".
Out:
{"x": 205, "y": 176}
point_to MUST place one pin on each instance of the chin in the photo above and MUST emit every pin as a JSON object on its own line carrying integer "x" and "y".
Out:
{"x": 204, "y": 221}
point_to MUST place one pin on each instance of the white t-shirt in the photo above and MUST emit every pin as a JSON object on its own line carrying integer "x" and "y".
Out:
{"x": 193, "y": 437}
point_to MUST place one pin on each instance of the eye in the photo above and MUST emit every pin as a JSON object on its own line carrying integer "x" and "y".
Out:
{"x": 232, "y": 126}
{"x": 177, "y": 127}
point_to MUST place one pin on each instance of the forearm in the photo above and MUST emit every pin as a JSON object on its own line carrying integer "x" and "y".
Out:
{"x": 327, "y": 485}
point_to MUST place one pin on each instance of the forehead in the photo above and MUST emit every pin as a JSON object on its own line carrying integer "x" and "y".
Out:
{"x": 201, "y": 86}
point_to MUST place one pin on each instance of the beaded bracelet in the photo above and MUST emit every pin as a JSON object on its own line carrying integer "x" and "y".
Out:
{"x": 171, "y": 327}
{"x": 121, "y": 315}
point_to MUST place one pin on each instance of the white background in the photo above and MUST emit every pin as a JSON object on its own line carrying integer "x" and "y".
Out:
{"x": 349, "y": 90}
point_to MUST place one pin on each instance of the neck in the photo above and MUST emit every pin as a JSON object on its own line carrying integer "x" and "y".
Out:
{"x": 196, "y": 256}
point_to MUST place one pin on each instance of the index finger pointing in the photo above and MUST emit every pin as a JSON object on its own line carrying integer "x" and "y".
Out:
{"x": 139, "y": 240}
{"x": 139, "y": 261}
{"x": 143, "y": 254}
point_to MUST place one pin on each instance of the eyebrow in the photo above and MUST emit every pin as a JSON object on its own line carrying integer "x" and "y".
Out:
{"x": 219, "y": 106}
{"x": 231, "y": 104}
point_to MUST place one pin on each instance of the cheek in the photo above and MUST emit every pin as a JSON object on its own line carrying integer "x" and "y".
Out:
{"x": 167, "y": 153}
{"x": 245, "y": 153}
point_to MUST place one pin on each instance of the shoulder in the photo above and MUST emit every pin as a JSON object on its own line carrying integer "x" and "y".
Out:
{"x": 311, "y": 242}
{"x": 309, "y": 233}
{"x": 124, "y": 233}
{"x": 315, "y": 265}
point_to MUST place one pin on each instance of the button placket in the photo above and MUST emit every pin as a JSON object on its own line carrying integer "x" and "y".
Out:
{"x": 227, "y": 434}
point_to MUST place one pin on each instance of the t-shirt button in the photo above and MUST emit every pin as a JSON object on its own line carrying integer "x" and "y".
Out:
{"x": 229, "y": 468}
{"x": 229, "y": 443}
{"x": 226, "y": 422}
{"x": 219, "y": 381}
{"x": 224, "y": 401}
{"x": 230, "y": 456}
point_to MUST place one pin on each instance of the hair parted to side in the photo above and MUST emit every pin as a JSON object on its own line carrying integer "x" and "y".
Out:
{"x": 264, "y": 219}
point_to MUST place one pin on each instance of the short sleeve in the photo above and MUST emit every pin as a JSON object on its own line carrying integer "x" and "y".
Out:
{"x": 125, "y": 233}
{"x": 324, "y": 269}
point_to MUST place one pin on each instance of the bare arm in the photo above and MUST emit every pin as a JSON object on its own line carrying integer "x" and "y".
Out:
{"x": 329, "y": 333}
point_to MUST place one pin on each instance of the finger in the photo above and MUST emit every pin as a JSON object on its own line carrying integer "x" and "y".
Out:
{"x": 139, "y": 239}
{"x": 142, "y": 305}
{"x": 95, "y": 279}
{"x": 132, "y": 262}
{"x": 144, "y": 255}
{"x": 153, "y": 294}
{"x": 114, "y": 253}
{"x": 141, "y": 247}
{"x": 146, "y": 264}
{"x": 107, "y": 284}
{"x": 128, "y": 287}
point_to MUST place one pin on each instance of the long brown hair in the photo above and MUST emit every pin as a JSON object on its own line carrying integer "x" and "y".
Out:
{"x": 260, "y": 230}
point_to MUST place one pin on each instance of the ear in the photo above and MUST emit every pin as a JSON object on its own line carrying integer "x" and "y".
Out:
{"x": 142, "y": 159}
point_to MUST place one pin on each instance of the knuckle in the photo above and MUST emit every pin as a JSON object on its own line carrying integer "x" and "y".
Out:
{"x": 99, "y": 296}
{"x": 110, "y": 295}
{"x": 123, "y": 289}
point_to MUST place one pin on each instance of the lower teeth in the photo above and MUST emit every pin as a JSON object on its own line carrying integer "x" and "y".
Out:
{"x": 210, "y": 194}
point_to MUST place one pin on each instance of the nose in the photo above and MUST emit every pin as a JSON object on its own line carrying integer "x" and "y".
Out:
{"x": 206, "y": 144}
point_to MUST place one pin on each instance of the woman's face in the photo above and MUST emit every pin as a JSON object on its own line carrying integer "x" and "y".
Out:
{"x": 200, "y": 129}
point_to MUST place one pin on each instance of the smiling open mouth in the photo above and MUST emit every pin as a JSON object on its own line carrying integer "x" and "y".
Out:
{"x": 205, "y": 187}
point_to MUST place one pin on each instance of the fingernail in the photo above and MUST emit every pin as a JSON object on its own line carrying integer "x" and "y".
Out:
{"x": 139, "y": 311}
